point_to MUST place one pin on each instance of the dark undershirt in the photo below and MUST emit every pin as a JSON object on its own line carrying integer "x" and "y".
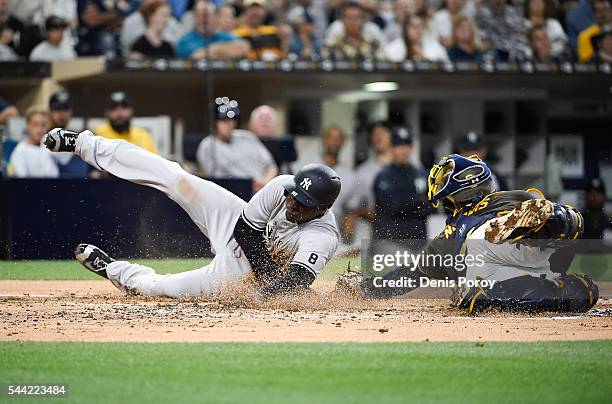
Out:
{"x": 142, "y": 45}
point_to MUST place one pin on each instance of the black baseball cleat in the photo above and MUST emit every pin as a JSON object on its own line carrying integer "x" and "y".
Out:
{"x": 60, "y": 140}
{"x": 92, "y": 258}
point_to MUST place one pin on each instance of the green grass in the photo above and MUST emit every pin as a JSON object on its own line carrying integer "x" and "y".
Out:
{"x": 58, "y": 270}
{"x": 315, "y": 373}
{"x": 595, "y": 265}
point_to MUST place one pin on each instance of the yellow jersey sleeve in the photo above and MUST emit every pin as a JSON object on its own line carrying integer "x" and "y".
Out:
{"x": 585, "y": 48}
{"x": 137, "y": 136}
{"x": 143, "y": 139}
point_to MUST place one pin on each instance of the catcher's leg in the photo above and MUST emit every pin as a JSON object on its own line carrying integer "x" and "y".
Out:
{"x": 566, "y": 293}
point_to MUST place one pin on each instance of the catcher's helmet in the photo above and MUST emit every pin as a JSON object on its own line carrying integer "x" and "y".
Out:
{"x": 458, "y": 180}
{"x": 226, "y": 108}
{"x": 315, "y": 185}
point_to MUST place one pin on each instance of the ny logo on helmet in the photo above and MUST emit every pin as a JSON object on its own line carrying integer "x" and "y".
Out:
{"x": 306, "y": 183}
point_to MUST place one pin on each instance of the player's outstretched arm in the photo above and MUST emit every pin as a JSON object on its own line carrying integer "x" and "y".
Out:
{"x": 254, "y": 248}
{"x": 265, "y": 269}
{"x": 296, "y": 279}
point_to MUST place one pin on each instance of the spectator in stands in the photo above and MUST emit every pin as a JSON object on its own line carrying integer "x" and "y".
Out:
{"x": 596, "y": 220}
{"x": 603, "y": 16}
{"x": 98, "y": 27}
{"x": 390, "y": 18}
{"x": 205, "y": 41}
{"x": 315, "y": 11}
{"x": 268, "y": 42}
{"x": 304, "y": 42}
{"x": 420, "y": 8}
{"x": 7, "y": 111}
{"x": 543, "y": 12}
{"x": 442, "y": 21}
{"x": 7, "y": 54}
{"x": 332, "y": 142}
{"x": 263, "y": 122}
{"x": 119, "y": 113}
{"x": 36, "y": 13}
{"x": 541, "y": 51}
{"x": 135, "y": 26}
{"x": 464, "y": 47}
{"x": 152, "y": 44}
{"x": 60, "y": 113}
{"x": 353, "y": 41}
{"x": 602, "y": 43}
{"x": 473, "y": 144}
{"x": 362, "y": 202}
{"x": 226, "y": 19}
{"x": 179, "y": 8}
{"x": 234, "y": 153}
{"x": 12, "y": 29}
{"x": 503, "y": 29}
{"x": 60, "y": 110}
{"x": 51, "y": 49}
{"x": 579, "y": 18}
{"x": 415, "y": 44}
{"x": 399, "y": 193}
{"x": 370, "y": 28}
{"x": 30, "y": 159}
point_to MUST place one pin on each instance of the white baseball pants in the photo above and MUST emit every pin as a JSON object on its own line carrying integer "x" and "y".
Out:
{"x": 212, "y": 208}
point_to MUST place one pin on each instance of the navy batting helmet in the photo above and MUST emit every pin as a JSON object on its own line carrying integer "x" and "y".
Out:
{"x": 226, "y": 108}
{"x": 315, "y": 185}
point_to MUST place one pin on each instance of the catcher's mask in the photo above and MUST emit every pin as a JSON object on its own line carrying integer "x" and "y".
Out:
{"x": 456, "y": 180}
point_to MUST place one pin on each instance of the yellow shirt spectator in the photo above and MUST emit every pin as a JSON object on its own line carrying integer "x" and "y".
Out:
{"x": 585, "y": 48}
{"x": 137, "y": 136}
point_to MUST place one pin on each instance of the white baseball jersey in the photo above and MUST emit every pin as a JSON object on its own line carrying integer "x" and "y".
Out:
{"x": 215, "y": 211}
{"x": 32, "y": 161}
{"x": 311, "y": 244}
{"x": 244, "y": 156}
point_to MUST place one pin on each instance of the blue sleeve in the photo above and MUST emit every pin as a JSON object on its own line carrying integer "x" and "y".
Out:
{"x": 187, "y": 45}
{"x": 225, "y": 37}
{"x": 4, "y": 104}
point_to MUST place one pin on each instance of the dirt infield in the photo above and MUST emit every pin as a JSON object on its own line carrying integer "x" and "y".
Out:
{"x": 95, "y": 311}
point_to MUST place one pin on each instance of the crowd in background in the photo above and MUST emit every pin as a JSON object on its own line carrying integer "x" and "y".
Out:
{"x": 393, "y": 30}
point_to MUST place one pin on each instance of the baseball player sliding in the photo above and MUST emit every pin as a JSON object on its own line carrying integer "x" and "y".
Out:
{"x": 283, "y": 236}
{"x": 514, "y": 232}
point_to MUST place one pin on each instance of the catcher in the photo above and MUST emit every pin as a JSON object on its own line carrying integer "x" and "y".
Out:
{"x": 515, "y": 232}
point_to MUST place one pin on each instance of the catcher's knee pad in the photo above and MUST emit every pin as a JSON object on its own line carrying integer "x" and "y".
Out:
{"x": 523, "y": 293}
{"x": 577, "y": 292}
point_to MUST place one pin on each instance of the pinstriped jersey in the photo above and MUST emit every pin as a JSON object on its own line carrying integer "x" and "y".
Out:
{"x": 310, "y": 245}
